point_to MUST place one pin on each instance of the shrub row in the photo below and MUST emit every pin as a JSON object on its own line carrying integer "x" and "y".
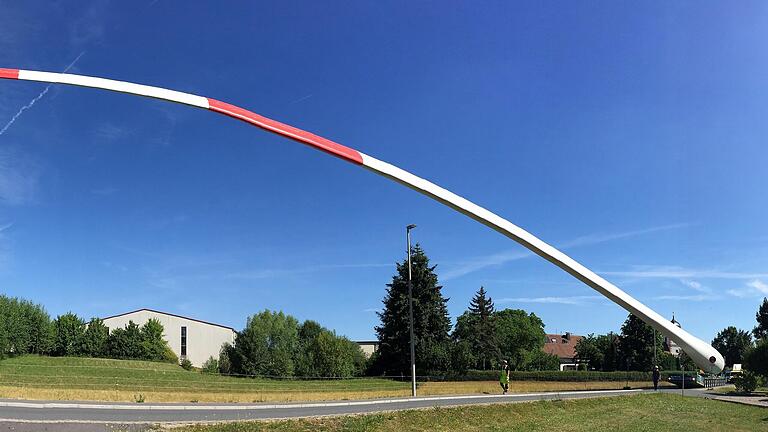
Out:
{"x": 565, "y": 376}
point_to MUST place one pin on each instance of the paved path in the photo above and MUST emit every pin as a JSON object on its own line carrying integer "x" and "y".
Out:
{"x": 756, "y": 400}
{"x": 87, "y": 416}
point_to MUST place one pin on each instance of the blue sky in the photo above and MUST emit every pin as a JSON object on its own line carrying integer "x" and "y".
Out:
{"x": 633, "y": 138}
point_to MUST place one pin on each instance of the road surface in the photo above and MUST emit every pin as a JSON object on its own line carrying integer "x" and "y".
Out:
{"x": 93, "y": 416}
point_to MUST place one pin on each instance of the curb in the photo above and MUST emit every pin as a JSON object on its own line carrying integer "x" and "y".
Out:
{"x": 198, "y": 407}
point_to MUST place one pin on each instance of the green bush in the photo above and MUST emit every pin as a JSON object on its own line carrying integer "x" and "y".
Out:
{"x": 211, "y": 366}
{"x": 321, "y": 353}
{"x": 95, "y": 339}
{"x": 169, "y": 356}
{"x": 70, "y": 334}
{"x": 125, "y": 343}
{"x": 186, "y": 364}
{"x": 152, "y": 343}
{"x": 746, "y": 382}
{"x": 225, "y": 364}
{"x": 565, "y": 376}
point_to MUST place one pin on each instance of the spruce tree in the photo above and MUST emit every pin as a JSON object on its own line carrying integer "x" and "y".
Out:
{"x": 477, "y": 327}
{"x": 430, "y": 315}
{"x": 761, "y": 331}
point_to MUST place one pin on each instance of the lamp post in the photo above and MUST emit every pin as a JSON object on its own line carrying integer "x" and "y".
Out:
{"x": 410, "y": 310}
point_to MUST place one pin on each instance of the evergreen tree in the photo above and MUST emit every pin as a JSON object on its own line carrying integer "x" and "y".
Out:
{"x": 477, "y": 327}
{"x": 430, "y": 315}
{"x": 732, "y": 344}
{"x": 485, "y": 343}
{"x": 636, "y": 345}
{"x": 761, "y": 331}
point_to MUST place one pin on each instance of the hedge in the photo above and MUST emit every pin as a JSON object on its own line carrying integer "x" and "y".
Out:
{"x": 569, "y": 376}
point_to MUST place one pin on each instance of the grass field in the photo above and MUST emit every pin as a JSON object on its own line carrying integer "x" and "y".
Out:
{"x": 68, "y": 378}
{"x": 650, "y": 412}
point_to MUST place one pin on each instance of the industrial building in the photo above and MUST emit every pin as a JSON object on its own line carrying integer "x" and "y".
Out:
{"x": 189, "y": 338}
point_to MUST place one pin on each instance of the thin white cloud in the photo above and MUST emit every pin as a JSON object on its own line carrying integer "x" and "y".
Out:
{"x": 696, "y": 286}
{"x": 695, "y": 297}
{"x": 34, "y": 100}
{"x": 18, "y": 178}
{"x": 273, "y": 273}
{"x": 513, "y": 255}
{"x": 758, "y": 285}
{"x": 5, "y": 253}
{"x": 572, "y": 300}
{"x": 602, "y": 238}
{"x": 108, "y": 132}
{"x": 674, "y": 272}
{"x": 484, "y": 262}
{"x": 753, "y": 288}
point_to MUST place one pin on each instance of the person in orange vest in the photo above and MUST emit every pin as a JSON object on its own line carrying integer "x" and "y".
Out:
{"x": 504, "y": 377}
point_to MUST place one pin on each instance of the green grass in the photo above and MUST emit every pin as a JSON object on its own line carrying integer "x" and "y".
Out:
{"x": 650, "y": 412}
{"x": 72, "y": 378}
{"x": 80, "y": 377}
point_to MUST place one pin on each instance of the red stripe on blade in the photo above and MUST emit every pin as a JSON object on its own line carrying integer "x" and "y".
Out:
{"x": 9, "y": 73}
{"x": 297, "y": 134}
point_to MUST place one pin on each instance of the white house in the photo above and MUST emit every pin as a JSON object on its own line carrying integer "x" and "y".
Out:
{"x": 189, "y": 338}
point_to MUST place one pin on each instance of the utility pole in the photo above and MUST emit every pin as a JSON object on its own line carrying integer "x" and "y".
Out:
{"x": 410, "y": 310}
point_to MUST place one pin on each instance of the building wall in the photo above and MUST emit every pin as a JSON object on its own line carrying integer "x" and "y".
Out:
{"x": 368, "y": 347}
{"x": 203, "y": 340}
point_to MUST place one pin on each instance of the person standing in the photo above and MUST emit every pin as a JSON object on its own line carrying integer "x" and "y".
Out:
{"x": 656, "y": 376}
{"x": 504, "y": 377}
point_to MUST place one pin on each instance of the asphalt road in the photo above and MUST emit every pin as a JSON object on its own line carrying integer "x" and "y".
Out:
{"x": 84, "y": 416}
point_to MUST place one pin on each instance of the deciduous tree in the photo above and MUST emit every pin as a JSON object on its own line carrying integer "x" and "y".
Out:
{"x": 70, "y": 330}
{"x": 732, "y": 344}
{"x": 519, "y": 334}
{"x": 637, "y": 345}
{"x": 267, "y": 345}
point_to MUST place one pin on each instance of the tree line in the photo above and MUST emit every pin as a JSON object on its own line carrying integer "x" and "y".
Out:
{"x": 638, "y": 347}
{"x": 26, "y": 328}
{"x": 481, "y": 338}
{"x": 275, "y": 344}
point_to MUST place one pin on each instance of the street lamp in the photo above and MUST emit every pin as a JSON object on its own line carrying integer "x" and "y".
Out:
{"x": 410, "y": 310}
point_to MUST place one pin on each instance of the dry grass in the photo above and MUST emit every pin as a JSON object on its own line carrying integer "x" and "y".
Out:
{"x": 492, "y": 387}
{"x": 186, "y": 396}
{"x": 425, "y": 389}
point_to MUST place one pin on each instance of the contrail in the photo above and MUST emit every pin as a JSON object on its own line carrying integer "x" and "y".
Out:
{"x": 34, "y": 101}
